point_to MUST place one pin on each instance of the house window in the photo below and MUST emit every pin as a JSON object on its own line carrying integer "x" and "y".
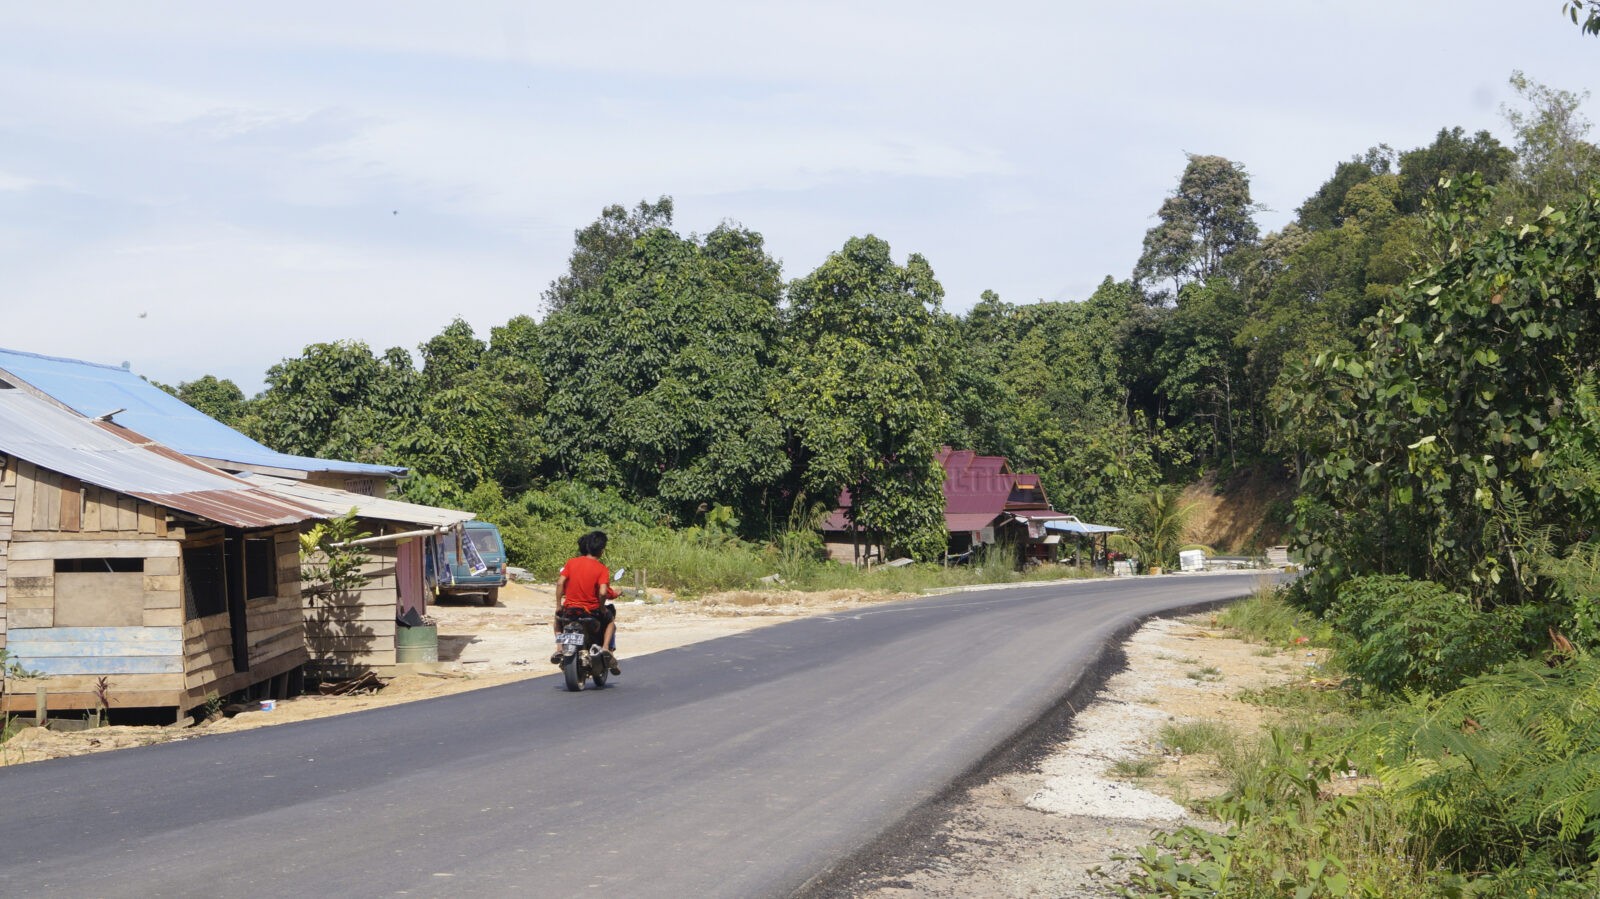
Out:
{"x": 205, "y": 586}
{"x": 99, "y": 592}
{"x": 98, "y": 566}
{"x": 261, "y": 567}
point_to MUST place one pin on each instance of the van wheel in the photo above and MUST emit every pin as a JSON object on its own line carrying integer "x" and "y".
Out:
{"x": 492, "y": 598}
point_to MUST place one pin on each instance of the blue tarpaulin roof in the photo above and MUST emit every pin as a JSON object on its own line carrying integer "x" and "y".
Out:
{"x": 94, "y": 390}
{"x": 1074, "y": 526}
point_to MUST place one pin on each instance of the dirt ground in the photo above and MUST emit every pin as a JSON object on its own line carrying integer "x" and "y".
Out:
{"x": 1040, "y": 832}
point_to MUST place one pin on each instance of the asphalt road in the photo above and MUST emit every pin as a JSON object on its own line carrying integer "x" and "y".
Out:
{"x": 744, "y": 766}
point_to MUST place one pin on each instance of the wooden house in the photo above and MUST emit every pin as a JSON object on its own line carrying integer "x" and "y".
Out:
{"x": 131, "y": 571}
{"x": 93, "y": 390}
{"x": 355, "y": 632}
{"x": 985, "y": 503}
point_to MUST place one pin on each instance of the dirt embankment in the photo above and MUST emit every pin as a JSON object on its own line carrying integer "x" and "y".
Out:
{"x": 1244, "y": 513}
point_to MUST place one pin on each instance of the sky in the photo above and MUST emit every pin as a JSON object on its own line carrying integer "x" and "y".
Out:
{"x": 205, "y": 188}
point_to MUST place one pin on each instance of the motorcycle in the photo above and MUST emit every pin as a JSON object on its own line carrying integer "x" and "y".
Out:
{"x": 582, "y": 656}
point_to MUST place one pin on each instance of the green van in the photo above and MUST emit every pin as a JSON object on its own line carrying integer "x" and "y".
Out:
{"x": 472, "y": 566}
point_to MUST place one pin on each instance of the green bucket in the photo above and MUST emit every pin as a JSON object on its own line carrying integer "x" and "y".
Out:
{"x": 416, "y": 644}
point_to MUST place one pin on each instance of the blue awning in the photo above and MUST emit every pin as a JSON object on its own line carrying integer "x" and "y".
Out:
{"x": 1074, "y": 526}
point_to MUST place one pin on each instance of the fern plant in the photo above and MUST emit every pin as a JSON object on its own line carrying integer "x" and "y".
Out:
{"x": 1504, "y": 769}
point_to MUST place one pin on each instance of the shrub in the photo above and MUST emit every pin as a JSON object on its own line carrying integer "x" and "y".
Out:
{"x": 1397, "y": 634}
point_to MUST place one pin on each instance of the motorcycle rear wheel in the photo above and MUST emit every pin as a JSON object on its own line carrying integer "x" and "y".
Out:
{"x": 569, "y": 670}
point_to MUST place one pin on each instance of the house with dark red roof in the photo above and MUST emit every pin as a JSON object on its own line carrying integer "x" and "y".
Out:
{"x": 985, "y": 502}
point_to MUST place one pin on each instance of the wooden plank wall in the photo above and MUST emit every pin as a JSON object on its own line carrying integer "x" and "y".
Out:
{"x": 47, "y": 502}
{"x": 276, "y": 634}
{"x": 45, "y": 516}
{"x": 354, "y": 633}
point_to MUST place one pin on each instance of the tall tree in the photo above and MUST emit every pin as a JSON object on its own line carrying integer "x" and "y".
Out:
{"x": 864, "y": 391}
{"x": 477, "y": 408}
{"x": 1451, "y": 155}
{"x": 1325, "y": 208}
{"x": 1457, "y": 442}
{"x": 600, "y": 243}
{"x": 337, "y": 400}
{"x": 659, "y": 373}
{"x": 1556, "y": 163}
{"x": 1209, "y": 216}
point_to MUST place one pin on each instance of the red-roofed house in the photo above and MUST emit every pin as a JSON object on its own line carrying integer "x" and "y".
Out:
{"x": 985, "y": 502}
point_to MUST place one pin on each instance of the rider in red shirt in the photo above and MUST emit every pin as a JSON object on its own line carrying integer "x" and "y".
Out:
{"x": 582, "y": 588}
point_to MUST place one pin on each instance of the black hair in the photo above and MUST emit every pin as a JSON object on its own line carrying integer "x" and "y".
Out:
{"x": 592, "y": 544}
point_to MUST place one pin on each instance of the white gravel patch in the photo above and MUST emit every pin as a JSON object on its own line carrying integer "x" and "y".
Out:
{"x": 1107, "y": 731}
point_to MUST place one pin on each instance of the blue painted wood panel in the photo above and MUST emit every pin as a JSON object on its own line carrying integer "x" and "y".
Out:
{"x": 94, "y": 634}
{"x": 98, "y": 650}
{"x": 107, "y": 665}
{"x": 84, "y": 650}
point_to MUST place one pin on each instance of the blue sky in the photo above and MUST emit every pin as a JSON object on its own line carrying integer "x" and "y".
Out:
{"x": 207, "y": 188}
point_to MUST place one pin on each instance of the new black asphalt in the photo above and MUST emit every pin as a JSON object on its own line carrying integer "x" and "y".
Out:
{"x": 754, "y": 765}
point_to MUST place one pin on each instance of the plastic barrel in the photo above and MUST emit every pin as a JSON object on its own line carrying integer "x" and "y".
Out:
{"x": 416, "y": 644}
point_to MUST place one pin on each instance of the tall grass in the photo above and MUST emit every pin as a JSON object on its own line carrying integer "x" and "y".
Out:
{"x": 1266, "y": 617}
{"x": 690, "y": 563}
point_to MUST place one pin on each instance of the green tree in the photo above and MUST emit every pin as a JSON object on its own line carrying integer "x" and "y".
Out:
{"x": 219, "y": 398}
{"x": 1451, "y": 155}
{"x": 659, "y": 374}
{"x": 1325, "y": 208}
{"x": 863, "y": 391}
{"x": 337, "y": 400}
{"x": 600, "y": 243}
{"x": 1555, "y": 160}
{"x": 1208, "y": 217}
{"x": 479, "y": 409}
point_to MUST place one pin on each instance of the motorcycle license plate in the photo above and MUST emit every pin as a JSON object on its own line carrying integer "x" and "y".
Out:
{"x": 569, "y": 639}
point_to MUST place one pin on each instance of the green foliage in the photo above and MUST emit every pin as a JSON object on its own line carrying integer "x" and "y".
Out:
{"x": 329, "y": 566}
{"x": 1192, "y": 737}
{"x": 1155, "y": 526}
{"x": 339, "y": 401}
{"x": 219, "y": 398}
{"x": 1268, "y": 617}
{"x": 1395, "y": 634}
{"x": 1584, "y": 13}
{"x": 1503, "y": 772}
{"x": 1556, "y": 163}
{"x": 1286, "y": 837}
{"x": 600, "y": 243}
{"x": 660, "y": 371}
{"x": 1208, "y": 216}
{"x": 1438, "y": 451}
{"x": 862, "y": 391}
{"x": 11, "y": 668}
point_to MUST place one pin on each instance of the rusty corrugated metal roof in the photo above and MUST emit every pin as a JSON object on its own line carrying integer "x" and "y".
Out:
{"x": 332, "y": 502}
{"x": 64, "y": 442}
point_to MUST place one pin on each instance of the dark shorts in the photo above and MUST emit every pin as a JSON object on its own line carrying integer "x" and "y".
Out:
{"x": 606, "y": 614}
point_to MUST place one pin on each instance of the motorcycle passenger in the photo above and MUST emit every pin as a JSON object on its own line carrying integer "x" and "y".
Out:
{"x": 582, "y": 589}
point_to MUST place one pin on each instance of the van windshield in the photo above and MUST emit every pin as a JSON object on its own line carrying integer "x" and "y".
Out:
{"x": 485, "y": 541}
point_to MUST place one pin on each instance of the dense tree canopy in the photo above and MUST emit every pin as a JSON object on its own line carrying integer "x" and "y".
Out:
{"x": 684, "y": 378}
